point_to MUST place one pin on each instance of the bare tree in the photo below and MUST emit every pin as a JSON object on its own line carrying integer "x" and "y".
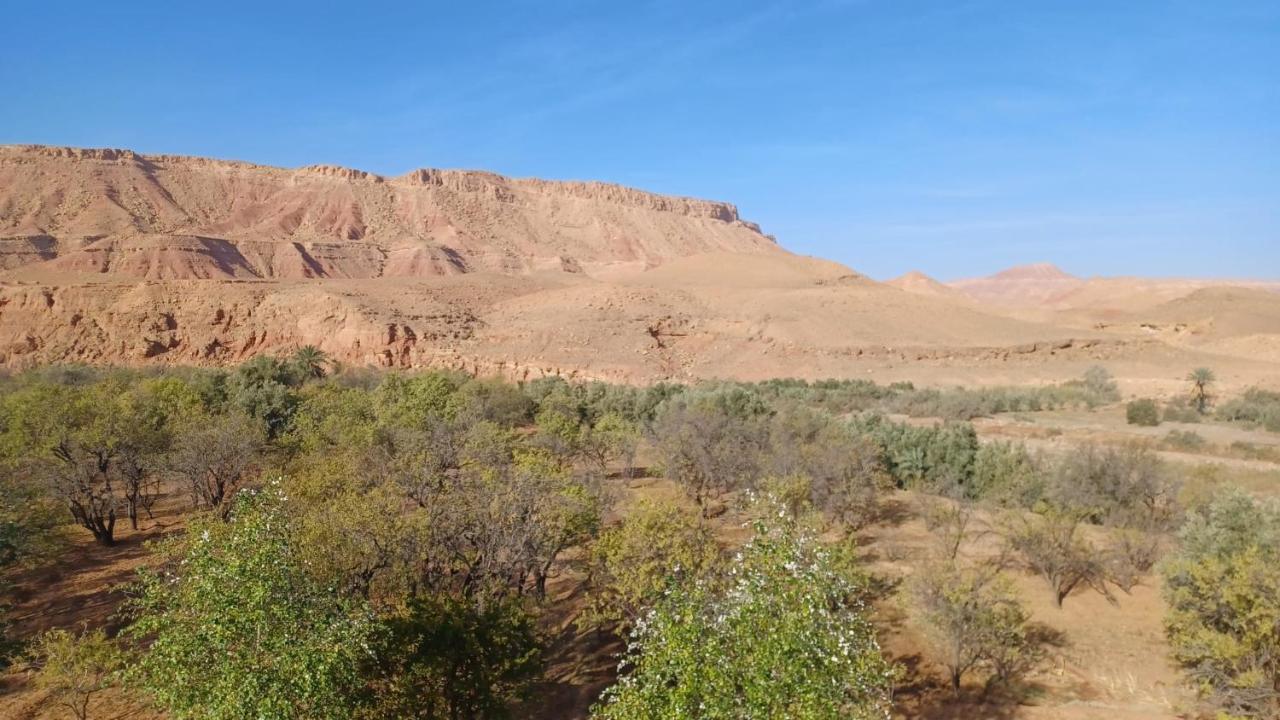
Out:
{"x": 1051, "y": 546}
{"x": 215, "y": 453}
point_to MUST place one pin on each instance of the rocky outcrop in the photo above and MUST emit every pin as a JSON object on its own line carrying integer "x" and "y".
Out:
{"x": 127, "y": 215}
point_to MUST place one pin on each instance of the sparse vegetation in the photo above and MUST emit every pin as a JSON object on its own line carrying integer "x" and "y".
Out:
{"x": 430, "y": 532}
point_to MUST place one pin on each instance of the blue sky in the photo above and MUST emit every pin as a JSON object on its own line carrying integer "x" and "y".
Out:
{"x": 950, "y": 136}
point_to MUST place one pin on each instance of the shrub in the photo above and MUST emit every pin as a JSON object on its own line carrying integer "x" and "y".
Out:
{"x": 1255, "y": 407}
{"x": 1184, "y": 440}
{"x": 1126, "y": 486}
{"x": 1142, "y": 412}
{"x": 73, "y": 668}
{"x": 1223, "y": 591}
{"x": 1007, "y": 475}
{"x": 786, "y": 637}
{"x": 1180, "y": 410}
{"x": 712, "y": 442}
{"x": 446, "y": 658}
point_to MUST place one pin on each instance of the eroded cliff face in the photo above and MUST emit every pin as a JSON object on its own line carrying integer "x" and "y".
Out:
{"x": 126, "y": 215}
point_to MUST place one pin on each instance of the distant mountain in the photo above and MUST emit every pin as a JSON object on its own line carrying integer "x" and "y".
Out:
{"x": 1021, "y": 286}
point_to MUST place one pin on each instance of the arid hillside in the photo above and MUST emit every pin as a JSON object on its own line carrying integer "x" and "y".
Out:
{"x": 163, "y": 217}
{"x": 114, "y": 257}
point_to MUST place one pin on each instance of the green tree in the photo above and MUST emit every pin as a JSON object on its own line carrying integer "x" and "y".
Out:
{"x": 634, "y": 561}
{"x": 786, "y": 636}
{"x": 234, "y": 627}
{"x": 310, "y": 362}
{"x": 446, "y": 659}
{"x": 1201, "y": 379}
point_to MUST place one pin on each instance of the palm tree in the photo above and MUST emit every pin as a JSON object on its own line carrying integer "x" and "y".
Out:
{"x": 310, "y": 361}
{"x": 1200, "y": 379}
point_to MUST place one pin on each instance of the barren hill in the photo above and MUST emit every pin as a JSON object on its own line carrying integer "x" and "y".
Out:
{"x": 115, "y": 257}
{"x": 921, "y": 284}
{"x": 164, "y": 217}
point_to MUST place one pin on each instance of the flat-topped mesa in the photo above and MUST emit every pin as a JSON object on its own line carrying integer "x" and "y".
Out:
{"x": 328, "y": 221}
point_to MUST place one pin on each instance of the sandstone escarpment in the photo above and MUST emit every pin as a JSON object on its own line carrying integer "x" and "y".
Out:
{"x": 127, "y": 215}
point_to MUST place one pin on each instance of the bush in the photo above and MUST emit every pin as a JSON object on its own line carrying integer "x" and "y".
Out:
{"x": 1181, "y": 411}
{"x": 1185, "y": 440}
{"x": 1051, "y": 547}
{"x": 1255, "y": 407}
{"x": 1223, "y": 591}
{"x": 1125, "y": 486}
{"x": 73, "y": 668}
{"x": 1142, "y": 412}
{"x": 786, "y": 637}
{"x": 1005, "y": 474}
{"x": 446, "y": 658}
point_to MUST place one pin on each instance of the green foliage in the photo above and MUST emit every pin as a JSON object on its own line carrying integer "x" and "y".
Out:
{"x": 1223, "y": 591}
{"x": 236, "y": 628}
{"x": 262, "y": 388}
{"x": 1256, "y": 407}
{"x": 309, "y": 363}
{"x": 410, "y": 401}
{"x": 937, "y": 459}
{"x": 1142, "y": 412}
{"x": 30, "y": 523}
{"x": 841, "y": 470}
{"x": 785, "y": 635}
{"x": 632, "y": 563}
{"x": 445, "y": 658}
{"x": 1005, "y": 474}
{"x": 73, "y": 668}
